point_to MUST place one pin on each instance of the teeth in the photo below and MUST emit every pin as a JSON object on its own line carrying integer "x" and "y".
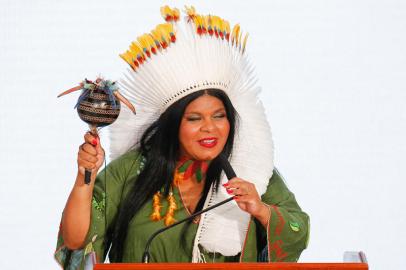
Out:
{"x": 208, "y": 141}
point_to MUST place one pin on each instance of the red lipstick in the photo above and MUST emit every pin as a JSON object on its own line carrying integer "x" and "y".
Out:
{"x": 208, "y": 142}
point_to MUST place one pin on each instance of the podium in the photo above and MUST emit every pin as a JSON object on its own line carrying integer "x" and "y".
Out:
{"x": 353, "y": 260}
{"x": 232, "y": 266}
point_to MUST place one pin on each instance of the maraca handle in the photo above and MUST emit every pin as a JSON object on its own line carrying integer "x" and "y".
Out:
{"x": 87, "y": 177}
{"x": 88, "y": 173}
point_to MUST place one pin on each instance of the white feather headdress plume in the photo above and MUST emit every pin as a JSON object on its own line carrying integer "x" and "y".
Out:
{"x": 178, "y": 58}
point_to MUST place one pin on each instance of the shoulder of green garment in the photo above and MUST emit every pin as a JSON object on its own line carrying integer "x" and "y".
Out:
{"x": 128, "y": 161}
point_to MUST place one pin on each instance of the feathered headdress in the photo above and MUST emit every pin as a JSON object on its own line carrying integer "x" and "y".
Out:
{"x": 180, "y": 57}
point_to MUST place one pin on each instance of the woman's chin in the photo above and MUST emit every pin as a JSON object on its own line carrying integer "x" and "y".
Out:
{"x": 208, "y": 155}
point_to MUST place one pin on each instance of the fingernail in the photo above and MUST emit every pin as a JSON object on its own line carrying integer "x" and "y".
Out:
{"x": 94, "y": 142}
{"x": 229, "y": 191}
{"x": 235, "y": 198}
{"x": 225, "y": 185}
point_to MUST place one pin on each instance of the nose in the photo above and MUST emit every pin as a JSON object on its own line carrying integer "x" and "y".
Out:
{"x": 208, "y": 125}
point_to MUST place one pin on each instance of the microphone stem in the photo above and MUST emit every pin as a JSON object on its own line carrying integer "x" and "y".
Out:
{"x": 145, "y": 256}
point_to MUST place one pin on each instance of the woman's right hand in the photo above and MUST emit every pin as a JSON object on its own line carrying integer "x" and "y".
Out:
{"x": 90, "y": 156}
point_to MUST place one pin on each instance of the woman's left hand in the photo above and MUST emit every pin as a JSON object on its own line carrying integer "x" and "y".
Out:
{"x": 248, "y": 199}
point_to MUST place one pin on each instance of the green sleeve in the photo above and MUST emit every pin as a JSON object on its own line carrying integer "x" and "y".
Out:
{"x": 111, "y": 186}
{"x": 288, "y": 228}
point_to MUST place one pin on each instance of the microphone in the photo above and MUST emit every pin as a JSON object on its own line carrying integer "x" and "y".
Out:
{"x": 228, "y": 170}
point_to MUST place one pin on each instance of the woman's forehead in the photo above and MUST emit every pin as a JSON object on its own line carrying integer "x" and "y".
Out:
{"x": 205, "y": 103}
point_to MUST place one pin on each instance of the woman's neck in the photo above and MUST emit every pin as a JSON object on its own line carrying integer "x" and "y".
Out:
{"x": 190, "y": 177}
{"x": 191, "y": 170}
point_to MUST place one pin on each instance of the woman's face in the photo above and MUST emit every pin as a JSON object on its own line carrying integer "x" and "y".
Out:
{"x": 204, "y": 128}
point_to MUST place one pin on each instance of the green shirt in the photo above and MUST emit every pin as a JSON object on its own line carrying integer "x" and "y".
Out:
{"x": 283, "y": 240}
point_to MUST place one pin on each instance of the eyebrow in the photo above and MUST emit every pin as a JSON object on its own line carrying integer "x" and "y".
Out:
{"x": 216, "y": 111}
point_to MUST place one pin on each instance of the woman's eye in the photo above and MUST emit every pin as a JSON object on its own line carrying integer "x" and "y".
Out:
{"x": 193, "y": 118}
{"x": 221, "y": 115}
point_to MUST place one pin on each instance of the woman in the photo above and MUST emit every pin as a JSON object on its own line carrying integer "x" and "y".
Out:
{"x": 174, "y": 171}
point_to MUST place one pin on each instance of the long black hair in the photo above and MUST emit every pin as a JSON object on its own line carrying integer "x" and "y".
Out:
{"x": 161, "y": 158}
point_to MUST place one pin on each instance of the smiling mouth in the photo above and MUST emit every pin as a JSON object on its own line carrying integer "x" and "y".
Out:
{"x": 208, "y": 142}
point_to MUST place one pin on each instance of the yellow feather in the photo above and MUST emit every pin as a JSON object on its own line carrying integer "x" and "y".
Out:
{"x": 198, "y": 20}
{"x": 149, "y": 41}
{"x": 244, "y": 43}
{"x": 190, "y": 11}
{"x": 143, "y": 42}
{"x": 207, "y": 21}
{"x": 176, "y": 13}
{"x": 203, "y": 21}
{"x": 239, "y": 40}
{"x": 221, "y": 25}
{"x": 165, "y": 11}
{"x": 136, "y": 50}
{"x": 216, "y": 22}
{"x": 156, "y": 35}
{"x": 127, "y": 56}
{"x": 164, "y": 30}
{"x": 226, "y": 26}
{"x": 235, "y": 34}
